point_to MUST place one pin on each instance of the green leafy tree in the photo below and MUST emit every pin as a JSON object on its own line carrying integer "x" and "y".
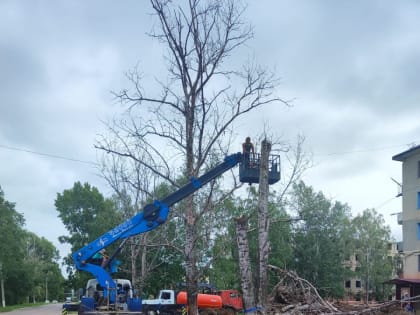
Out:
{"x": 154, "y": 259}
{"x": 371, "y": 240}
{"x": 12, "y": 269}
{"x": 41, "y": 259}
{"x": 26, "y": 260}
{"x": 319, "y": 239}
{"x": 86, "y": 214}
{"x": 224, "y": 272}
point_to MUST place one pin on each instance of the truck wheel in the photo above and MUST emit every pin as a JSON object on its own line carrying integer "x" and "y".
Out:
{"x": 149, "y": 312}
{"x": 208, "y": 312}
{"x": 230, "y": 311}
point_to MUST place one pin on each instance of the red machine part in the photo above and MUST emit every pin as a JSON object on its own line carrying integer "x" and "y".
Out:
{"x": 231, "y": 298}
{"x": 203, "y": 300}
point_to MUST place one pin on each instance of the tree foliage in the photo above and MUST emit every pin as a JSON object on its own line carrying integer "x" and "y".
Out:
{"x": 42, "y": 260}
{"x": 26, "y": 260}
{"x": 86, "y": 214}
{"x": 12, "y": 250}
{"x": 319, "y": 239}
{"x": 225, "y": 270}
{"x": 11, "y": 236}
{"x": 371, "y": 240}
{"x": 313, "y": 226}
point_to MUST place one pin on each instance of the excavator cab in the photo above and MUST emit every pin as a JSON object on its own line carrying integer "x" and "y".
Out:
{"x": 249, "y": 169}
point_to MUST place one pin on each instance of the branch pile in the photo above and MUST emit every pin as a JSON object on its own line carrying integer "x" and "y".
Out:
{"x": 295, "y": 296}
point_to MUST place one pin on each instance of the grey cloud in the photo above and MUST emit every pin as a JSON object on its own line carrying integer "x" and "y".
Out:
{"x": 21, "y": 80}
{"x": 352, "y": 66}
{"x": 350, "y": 52}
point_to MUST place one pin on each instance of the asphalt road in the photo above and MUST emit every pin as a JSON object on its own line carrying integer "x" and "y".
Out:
{"x": 49, "y": 309}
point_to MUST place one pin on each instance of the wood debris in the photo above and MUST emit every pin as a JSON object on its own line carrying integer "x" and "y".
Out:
{"x": 296, "y": 296}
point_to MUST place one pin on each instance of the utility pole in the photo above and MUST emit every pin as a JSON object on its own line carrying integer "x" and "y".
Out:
{"x": 3, "y": 300}
{"x": 46, "y": 287}
{"x": 367, "y": 275}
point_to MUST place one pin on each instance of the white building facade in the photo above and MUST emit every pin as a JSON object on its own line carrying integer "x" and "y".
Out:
{"x": 410, "y": 216}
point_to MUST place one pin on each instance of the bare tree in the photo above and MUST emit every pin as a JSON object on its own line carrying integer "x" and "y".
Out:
{"x": 245, "y": 269}
{"x": 182, "y": 130}
{"x": 263, "y": 223}
{"x": 132, "y": 183}
{"x": 296, "y": 162}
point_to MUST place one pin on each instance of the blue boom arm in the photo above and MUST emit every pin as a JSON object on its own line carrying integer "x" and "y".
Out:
{"x": 152, "y": 216}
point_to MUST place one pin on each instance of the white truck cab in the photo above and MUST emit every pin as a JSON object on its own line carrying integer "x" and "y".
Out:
{"x": 166, "y": 297}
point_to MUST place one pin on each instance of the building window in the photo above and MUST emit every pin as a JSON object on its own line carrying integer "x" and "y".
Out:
{"x": 358, "y": 284}
{"x": 418, "y": 169}
{"x": 348, "y": 283}
{"x": 418, "y": 200}
{"x": 418, "y": 231}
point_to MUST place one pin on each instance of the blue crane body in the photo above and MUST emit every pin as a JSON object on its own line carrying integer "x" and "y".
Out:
{"x": 153, "y": 215}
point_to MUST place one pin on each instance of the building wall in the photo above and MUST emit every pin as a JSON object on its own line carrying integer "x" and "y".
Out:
{"x": 411, "y": 215}
{"x": 354, "y": 288}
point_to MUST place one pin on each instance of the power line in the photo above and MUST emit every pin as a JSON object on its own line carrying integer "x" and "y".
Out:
{"x": 365, "y": 150}
{"x": 47, "y": 154}
{"x": 55, "y": 156}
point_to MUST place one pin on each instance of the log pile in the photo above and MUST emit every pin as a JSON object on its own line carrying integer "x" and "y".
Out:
{"x": 296, "y": 296}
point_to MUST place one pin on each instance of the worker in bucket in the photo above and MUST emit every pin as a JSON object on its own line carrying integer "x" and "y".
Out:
{"x": 100, "y": 258}
{"x": 247, "y": 149}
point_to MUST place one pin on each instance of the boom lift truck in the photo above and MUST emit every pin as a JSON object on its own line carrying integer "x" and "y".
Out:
{"x": 153, "y": 215}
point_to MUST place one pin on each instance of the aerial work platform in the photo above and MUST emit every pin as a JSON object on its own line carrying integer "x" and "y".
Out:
{"x": 249, "y": 169}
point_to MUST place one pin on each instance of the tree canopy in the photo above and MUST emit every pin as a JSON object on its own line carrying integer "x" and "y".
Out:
{"x": 86, "y": 214}
{"x": 29, "y": 268}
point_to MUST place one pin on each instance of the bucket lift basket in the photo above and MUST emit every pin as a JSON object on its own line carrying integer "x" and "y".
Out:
{"x": 249, "y": 169}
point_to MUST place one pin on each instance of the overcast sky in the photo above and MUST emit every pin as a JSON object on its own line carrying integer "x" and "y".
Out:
{"x": 352, "y": 68}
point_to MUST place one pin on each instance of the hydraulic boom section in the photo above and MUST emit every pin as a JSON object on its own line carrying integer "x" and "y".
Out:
{"x": 155, "y": 214}
{"x": 152, "y": 216}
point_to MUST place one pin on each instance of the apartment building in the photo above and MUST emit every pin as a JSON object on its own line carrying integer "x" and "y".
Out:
{"x": 355, "y": 288}
{"x": 409, "y": 280}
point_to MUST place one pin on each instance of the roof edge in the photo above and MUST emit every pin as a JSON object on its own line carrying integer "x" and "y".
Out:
{"x": 401, "y": 157}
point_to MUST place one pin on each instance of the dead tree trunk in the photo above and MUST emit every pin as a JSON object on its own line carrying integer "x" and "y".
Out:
{"x": 245, "y": 264}
{"x": 191, "y": 261}
{"x": 263, "y": 224}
